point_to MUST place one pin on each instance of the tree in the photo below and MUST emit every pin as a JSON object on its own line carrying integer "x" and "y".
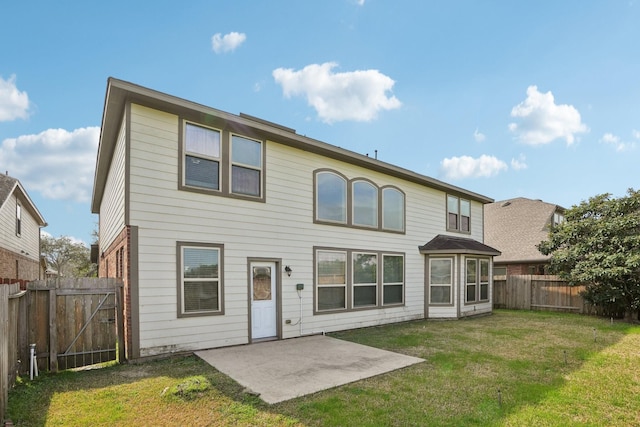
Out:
{"x": 598, "y": 245}
{"x": 66, "y": 257}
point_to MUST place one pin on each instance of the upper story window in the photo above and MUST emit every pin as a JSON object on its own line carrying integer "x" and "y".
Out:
{"x": 358, "y": 203}
{"x": 18, "y": 220}
{"x": 458, "y": 214}
{"x": 392, "y": 209}
{"x": 246, "y": 166}
{"x": 558, "y": 218}
{"x": 365, "y": 204}
{"x": 202, "y": 157}
{"x": 218, "y": 162}
{"x": 331, "y": 197}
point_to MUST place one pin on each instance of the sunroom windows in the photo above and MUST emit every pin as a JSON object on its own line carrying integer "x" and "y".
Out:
{"x": 349, "y": 280}
{"x": 357, "y": 203}
{"x": 476, "y": 280}
{"x": 440, "y": 280}
{"x": 222, "y": 163}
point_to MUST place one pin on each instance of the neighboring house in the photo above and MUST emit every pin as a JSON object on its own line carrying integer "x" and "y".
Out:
{"x": 20, "y": 223}
{"x": 515, "y": 227}
{"x": 227, "y": 229}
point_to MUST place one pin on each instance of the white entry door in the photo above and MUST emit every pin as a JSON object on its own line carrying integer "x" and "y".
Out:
{"x": 263, "y": 300}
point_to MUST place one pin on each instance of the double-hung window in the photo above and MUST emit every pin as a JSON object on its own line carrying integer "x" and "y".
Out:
{"x": 477, "y": 280}
{"x": 199, "y": 279}
{"x": 392, "y": 279}
{"x": 440, "y": 280}
{"x": 458, "y": 214}
{"x": 202, "y": 157}
{"x": 246, "y": 166}
{"x": 365, "y": 279}
{"x": 331, "y": 280}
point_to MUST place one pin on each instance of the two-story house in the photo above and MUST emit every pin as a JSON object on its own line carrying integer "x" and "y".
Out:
{"x": 20, "y": 224}
{"x": 227, "y": 229}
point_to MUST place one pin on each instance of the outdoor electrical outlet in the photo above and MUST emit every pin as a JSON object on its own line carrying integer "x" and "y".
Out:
{"x": 299, "y": 286}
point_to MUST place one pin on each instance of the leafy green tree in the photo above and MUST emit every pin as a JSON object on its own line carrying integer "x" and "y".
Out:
{"x": 66, "y": 257}
{"x": 599, "y": 246}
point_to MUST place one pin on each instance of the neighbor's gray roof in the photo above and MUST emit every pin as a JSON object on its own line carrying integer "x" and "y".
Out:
{"x": 8, "y": 186}
{"x": 443, "y": 244}
{"x": 120, "y": 92}
{"x": 516, "y": 226}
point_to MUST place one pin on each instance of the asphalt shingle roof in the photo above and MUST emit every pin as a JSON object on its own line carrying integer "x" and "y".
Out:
{"x": 452, "y": 244}
{"x": 516, "y": 226}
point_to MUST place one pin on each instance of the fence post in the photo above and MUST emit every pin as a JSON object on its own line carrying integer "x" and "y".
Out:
{"x": 4, "y": 349}
{"x": 53, "y": 332}
{"x": 119, "y": 294}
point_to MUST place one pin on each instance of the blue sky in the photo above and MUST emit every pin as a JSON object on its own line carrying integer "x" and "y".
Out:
{"x": 537, "y": 99}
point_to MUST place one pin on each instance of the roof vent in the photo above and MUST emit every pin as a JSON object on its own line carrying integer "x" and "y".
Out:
{"x": 505, "y": 204}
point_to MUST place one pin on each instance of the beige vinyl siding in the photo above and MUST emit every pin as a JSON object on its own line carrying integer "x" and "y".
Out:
{"x": 29, "y": 239}
{"x": 112, "y": 209}
{"x": 280, "y": 228}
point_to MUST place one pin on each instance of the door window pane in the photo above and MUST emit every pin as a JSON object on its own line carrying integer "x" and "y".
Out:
{"x": 261, "y": 283}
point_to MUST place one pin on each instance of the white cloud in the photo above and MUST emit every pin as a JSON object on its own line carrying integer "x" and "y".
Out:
{"x": 355, "y": 95}
{"x": 360, "y": 2}
{"x": 636, "y": 134}
{"x": 543, "y": 121}
{"x": 56, "y": 163}
{"x": 468, "y": 167}
{"x": 14, "y": 104}
{"x": 478, "y": 136}
{"x": 228, "y": 42}
{"x": 519, "y": 163}
{"x": 617, "y": 143}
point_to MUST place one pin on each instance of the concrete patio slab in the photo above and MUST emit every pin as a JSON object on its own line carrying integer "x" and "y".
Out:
{"x": 283, "y": 370}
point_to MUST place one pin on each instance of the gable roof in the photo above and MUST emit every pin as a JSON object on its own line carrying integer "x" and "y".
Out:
{"x": 9, "y": 186}
{"x": 443, "y": 244}
{"x": 516, "y": 226}
{"x": 120, "y": 93}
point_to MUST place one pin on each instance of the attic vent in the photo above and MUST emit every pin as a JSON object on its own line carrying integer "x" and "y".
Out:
{"x": 505, "y": 204}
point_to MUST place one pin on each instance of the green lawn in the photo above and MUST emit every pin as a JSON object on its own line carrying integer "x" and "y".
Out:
{"x": 509, "y": 369}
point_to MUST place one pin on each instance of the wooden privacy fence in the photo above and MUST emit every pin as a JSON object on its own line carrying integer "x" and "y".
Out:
{"x": 532, "y": 292}
{"x": 76, "y": 322}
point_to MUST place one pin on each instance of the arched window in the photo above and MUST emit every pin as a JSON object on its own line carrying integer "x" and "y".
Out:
{"x": 392, "y": 209}
{"x": 365, "y": 204}
{"x": 331, "y": 197}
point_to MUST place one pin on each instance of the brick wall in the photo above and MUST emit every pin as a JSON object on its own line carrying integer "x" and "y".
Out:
{"x": 17, "y": 267}
{"x": 114, "y": 262}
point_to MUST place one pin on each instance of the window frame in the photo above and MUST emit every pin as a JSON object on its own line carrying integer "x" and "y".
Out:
{"x": 219, "y": 248}
{"x": 186, "y": 153}
{"x": 247, "y": 166}
{"x": 318, "y": 286}
{"x": 350, "y": 282}
{"x": 316, "y": 198}
{"x": 479, "y": 283}
{"x": 18, "y": 219}
{"x": 442, "y": 285}
{"x": 459, "y": 201}
{"x": 350, "y": 205}
{"x": 225, "y": 163}
{"x": 355, "y": 285}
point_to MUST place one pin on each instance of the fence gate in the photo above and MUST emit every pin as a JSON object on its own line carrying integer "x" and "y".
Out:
{"x": 84, "y": 321}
